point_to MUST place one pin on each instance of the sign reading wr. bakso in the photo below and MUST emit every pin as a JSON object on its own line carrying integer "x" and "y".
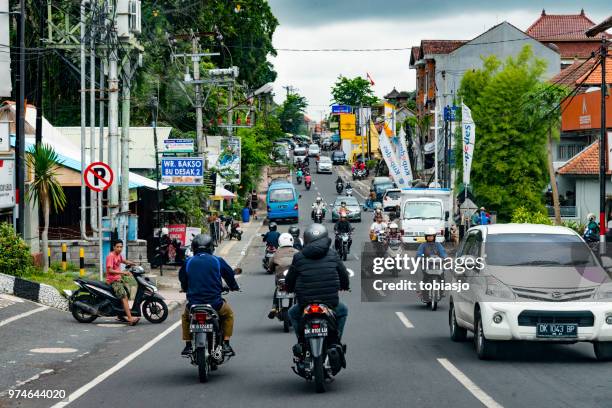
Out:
{"x": 182, "y": 171}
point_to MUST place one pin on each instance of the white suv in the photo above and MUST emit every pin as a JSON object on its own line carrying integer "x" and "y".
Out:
{"x": 536, "y": 283}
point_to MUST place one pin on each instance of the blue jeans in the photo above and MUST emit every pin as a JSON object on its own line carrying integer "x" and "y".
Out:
{"x": 341, "y": 311}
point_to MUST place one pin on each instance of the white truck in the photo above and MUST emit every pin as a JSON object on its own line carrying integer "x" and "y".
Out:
{"x": 423, "y": 208}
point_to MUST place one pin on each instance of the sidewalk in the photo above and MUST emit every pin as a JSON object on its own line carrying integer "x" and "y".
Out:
{"x": 232, "y": 251}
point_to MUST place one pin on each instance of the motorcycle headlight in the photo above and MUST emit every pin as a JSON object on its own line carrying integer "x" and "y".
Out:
{"x": 496, "y": 289}
{"x": 285, "y": 272}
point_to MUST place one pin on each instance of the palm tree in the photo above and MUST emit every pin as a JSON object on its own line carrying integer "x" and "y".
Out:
{"x": 46, "y": 190}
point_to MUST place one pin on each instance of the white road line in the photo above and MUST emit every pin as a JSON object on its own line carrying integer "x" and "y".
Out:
{"x": 404, "y": 320}
{"x": 19, "y": 316}
{"x": 81, "y": 391}
{"x": 475, "y": 390}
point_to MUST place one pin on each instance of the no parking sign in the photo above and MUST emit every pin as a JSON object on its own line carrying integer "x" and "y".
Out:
{"x": 98, "y": 176}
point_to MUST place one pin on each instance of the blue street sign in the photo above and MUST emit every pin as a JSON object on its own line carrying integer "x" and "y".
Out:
{"x": 450, "y": 113}
{"x": 182, "y": 171}
{"x": 341, "y": 109}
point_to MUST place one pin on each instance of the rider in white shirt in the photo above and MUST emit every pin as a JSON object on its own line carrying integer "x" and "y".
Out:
{"x": 378, "y": 225}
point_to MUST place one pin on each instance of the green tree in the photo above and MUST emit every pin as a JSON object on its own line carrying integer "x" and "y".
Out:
{"x": 291, "y": 113}
{"x": 542, "y": 111}
{"x": 509, "y": 164}
{"x": 353, "y": 92}
{"x": 45, "y": 189}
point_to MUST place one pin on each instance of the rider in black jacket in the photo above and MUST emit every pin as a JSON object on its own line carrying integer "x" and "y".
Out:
{"x": 316, "y": 275}
{"x": 343, "y": 226}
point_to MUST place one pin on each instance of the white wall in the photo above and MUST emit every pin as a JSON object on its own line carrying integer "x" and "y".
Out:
{"x": 587, "y": 196}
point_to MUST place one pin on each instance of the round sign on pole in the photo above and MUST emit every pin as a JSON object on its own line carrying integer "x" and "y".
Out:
{"x": 98, "y": 176}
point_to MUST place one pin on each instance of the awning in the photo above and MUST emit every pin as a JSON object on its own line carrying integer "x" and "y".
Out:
{"x": 222, "y": 194}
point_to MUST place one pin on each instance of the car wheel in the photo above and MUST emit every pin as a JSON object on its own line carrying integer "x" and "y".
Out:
{"x": 457, "y": 333}
{"x": 603, "y": 350}
{"x": 485, "y": 349}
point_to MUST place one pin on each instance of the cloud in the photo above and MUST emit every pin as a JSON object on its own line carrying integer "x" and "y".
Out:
{"x": 322, "y": 12}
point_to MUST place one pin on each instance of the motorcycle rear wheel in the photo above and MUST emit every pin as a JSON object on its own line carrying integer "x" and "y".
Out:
{"x": 80, "y": 315}
{"x": 202, "y": 362}
{"x": 319, "y": 374}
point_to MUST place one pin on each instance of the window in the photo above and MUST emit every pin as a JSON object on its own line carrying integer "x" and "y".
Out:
{"x": 423, "y": 210}
{"x": 281, "y": 195}
{"x": 567, "y": 151}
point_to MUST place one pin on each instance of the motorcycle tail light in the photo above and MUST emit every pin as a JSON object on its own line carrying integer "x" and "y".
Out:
{"x": 200, "y": 317}
{"x": 314, "y": 309}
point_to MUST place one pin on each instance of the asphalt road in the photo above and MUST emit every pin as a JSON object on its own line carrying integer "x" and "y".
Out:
{"x": 399, "y": 354}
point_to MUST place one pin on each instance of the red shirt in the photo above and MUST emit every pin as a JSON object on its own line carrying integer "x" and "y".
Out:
{"x": 113, "y": 261}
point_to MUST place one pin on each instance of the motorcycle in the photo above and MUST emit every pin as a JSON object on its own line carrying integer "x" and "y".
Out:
{"x": 206, "y": 338}
{"x": 359, "y": 174}
{"x": 343, "y": 247}
{"x": 284, "y": 300}
{"x": 235, "y": 231}
{"x": 339, "y": 187}
{"x": 318, "y": 355}
{"x": 318, "y": 216}
{"x": 299, "y": 179}
{"x": 349, "y": 191}
{"x": 433, "y": 273}
{"x": 394, "y": 248}
{"x": 161, "y": 256}
{"x": 95, "y": 299}
{"x": 307, "y": 184}
{"x": 270, "y": 250}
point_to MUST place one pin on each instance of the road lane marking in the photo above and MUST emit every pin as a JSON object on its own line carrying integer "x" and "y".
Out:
{"x": 81, "y": 391}
{"x": 475, "y": 390}
{"x": 404, "y": 320}
{"x": 22, "y": 315}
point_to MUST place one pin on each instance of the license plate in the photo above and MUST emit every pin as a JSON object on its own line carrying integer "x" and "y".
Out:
{"x": 315, "y": 332}
{"x": 201, "y": 328}
{"x": 284, "y": 295}
{"x": 557, "y": 330}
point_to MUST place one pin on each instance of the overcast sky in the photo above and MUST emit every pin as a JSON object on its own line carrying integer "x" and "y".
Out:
{"x": 359, "y": 24}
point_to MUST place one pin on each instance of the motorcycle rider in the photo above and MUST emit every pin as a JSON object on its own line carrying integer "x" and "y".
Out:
{"x": 343, "y": 226}
{"x": 316, "y": 275}
{"x": 317, "y": 205}
{"x": 339, "y": 181}
{"x": 201, "y": 278}
{"x": 271, "y": 237}
{"x": 377, "y": 227}
{"x": 280, "y": 262}
{"x": 431, "y": 247}
{"x": 591, "y": 232}
{"x": 297, "y": 241}
{"x": 299, "y": 174}
{"x": 394, "y": 231}
{"x": 348, "y": 188}
{"x": 114, "y": 277}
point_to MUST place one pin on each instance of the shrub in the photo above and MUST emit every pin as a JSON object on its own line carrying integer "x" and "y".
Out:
{"x": 370, "y": 164}
{"x": 15, "y": 256}
{"x": 523, "y": 216}
{"x": 575, "y": 225}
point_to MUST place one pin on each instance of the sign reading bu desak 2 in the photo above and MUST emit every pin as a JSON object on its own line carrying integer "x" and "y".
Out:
{"x": 182, "y": 171}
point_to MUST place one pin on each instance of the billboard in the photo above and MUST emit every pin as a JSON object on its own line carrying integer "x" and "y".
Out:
{"x": 229, "y": 159}
{"x": 347, "y": 126}
{"x": 7, "y": 183}
{"x": 5, "y": 56}
{"x": 182, "y": 171}
{"x": 178, "y": 146}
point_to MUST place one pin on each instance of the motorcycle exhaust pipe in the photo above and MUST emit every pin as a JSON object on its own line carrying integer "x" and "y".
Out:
{"x": 86, "y": 308}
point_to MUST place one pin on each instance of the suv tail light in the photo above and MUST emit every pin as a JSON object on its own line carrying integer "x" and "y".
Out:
{"x": 295, "y": 207}
{"x": 269, "y": 209}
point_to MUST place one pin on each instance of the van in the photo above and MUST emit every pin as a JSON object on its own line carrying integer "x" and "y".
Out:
{"x": 282, "y": 201}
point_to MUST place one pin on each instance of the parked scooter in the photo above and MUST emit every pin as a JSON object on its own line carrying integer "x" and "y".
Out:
{"x": 235, "y": 230}
{"x": 94, "y": 299}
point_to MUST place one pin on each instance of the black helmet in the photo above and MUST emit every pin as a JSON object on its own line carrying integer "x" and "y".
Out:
{"x": 272, "y": 226}
{"x": 294, "y": 231}
{"x": 202, "y": 243}
{"x": 314, "y": 232}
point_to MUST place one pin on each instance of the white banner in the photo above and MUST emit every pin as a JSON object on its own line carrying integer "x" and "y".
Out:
{"x": 388, "y": 154}
{"x": 7, "y": 183}
{"x": 468, "y": 133}
{"x": 5, "y": 55}
{"x": 402, "y": 154}
{"x": 229, "y": 158}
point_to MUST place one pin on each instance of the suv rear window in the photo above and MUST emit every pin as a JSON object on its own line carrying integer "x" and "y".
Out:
{"x": 394, "y": 194}
{"x": 281, "y": 195}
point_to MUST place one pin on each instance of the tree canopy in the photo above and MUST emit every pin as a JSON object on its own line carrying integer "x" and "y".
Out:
{"x": 353, "y": 92}
{"x": 291, "y": 113}
{"x": 509, "y": 163}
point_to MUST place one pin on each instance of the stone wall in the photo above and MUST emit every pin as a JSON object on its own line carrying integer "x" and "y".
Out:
{"x": 137, "y": 251}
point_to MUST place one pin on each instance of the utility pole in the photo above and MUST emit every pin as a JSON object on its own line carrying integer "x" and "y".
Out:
{"x": 113, "y": 125}
{"x": 603, "y": 150}
{"x": 436, "y": 146}
{"x": 20, "y": 115}
{"x": 39, "y": 77}
{"x": 125, "y": 135}
{"x": 230, "y": 111}
{"x": 93, "y": 213}
{"x": 83, "y": 219}
{"x": 195, "y": 58}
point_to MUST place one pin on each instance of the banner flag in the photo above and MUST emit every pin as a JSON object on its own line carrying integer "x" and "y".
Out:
{"x": 468, "y": 133}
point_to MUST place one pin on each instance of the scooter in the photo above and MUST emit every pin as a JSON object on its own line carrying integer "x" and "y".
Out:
{"x": 270, "y": 251}
{"x": 318, "y": 216}
{"x": 307, "y": 184}
{"x": 283, "y": 300}
{"x": 349, "y": 191}
{"x": 96, "y": 299}
{"x": 433, "y": 272}
{"x": 299, "y": 179}
{"x": 235, "y": 231}
{"x": 339, "y": 187}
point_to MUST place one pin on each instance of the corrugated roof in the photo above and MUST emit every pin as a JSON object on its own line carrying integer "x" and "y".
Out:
{"x": 585, "y": 163}
{"x": 433, "y": 47}
{"x": 561, "y": 27}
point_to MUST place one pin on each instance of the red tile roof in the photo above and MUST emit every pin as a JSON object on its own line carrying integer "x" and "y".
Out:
{"x": 585, "y": 163}
{"x": 440, "y": 46}
{"x": 415, "y": 53}
{"x": 561, "y": 27}
{"x": 595, "y": 77}
{"x": 570, "y": 76}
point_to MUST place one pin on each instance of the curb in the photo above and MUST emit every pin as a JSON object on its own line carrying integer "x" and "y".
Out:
{"x": 36, "y": 292}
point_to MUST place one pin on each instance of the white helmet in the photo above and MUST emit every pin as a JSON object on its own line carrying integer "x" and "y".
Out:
{"x": 319, "y": 199}
{"x": 430, "y": 231}
{"x": 285, "y": 240}
{"x": 165, "y": 231}
{"x": 591, "y": 217}
{"x": 393, "y": 225}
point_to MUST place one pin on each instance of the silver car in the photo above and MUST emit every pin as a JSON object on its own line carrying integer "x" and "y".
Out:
{"x": 354, "y": 209}
{"x": 324, "y": 165}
